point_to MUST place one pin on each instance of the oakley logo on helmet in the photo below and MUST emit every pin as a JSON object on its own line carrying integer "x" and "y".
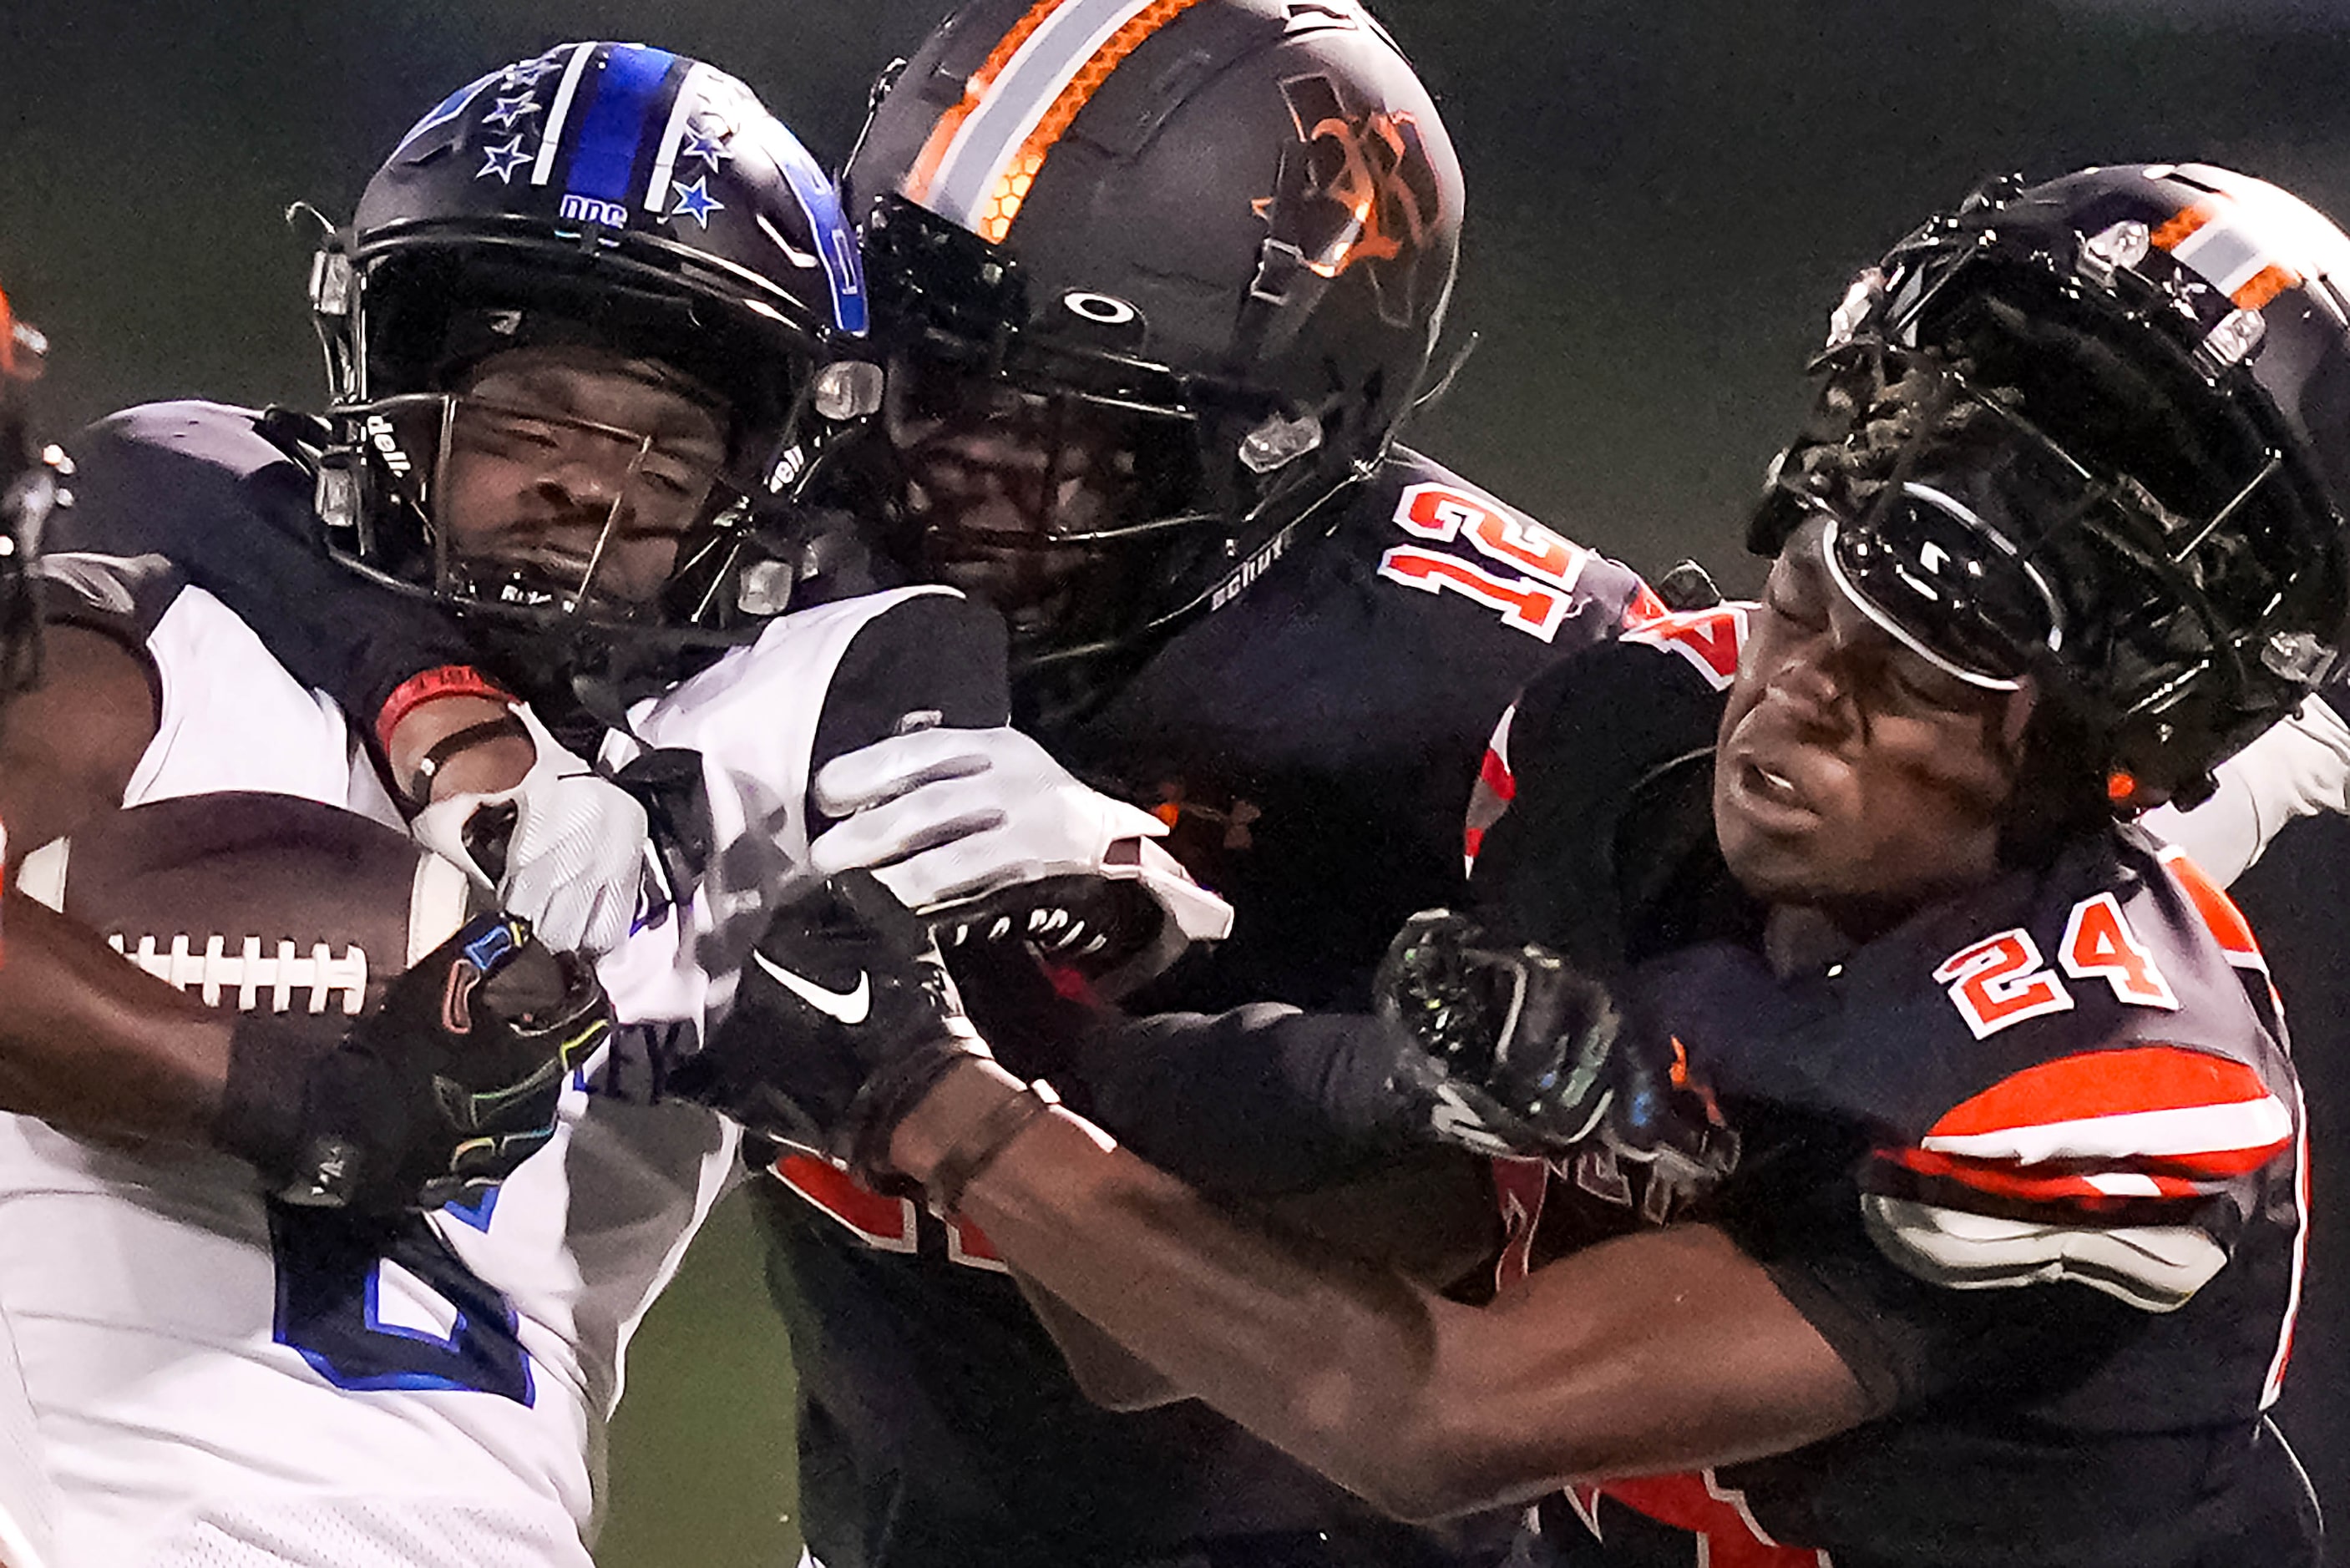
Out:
{"x": 1105, "y": 308}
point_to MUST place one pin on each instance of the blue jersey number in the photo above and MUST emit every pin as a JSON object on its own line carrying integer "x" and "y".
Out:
{"x": 330, "y": 1275}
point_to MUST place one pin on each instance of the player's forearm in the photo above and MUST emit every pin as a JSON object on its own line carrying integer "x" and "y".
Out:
{"x": 93, "y": 1046}
{"x": 1335, "y": 1360}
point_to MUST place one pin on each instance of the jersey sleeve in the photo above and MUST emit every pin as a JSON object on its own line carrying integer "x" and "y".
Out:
{"x": 124, "y": 596}
{"x": 930, "y": 659}
{"x": 202, "y": 486}
{"x": 2128, "y": 1170}
{"x": 1576, "y": 765}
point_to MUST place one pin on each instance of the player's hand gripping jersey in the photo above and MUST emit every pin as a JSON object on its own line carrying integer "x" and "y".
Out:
{"x": 2032, "y": 1162}
{"x": 225, "y": 1381}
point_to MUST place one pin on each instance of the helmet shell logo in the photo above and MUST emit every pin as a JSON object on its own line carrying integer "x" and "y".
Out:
{"x": 578, "y": 209}
{"x": 1358, "y": 190}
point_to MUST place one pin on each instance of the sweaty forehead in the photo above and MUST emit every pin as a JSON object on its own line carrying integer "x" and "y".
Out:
{"x": 603, "y": 387}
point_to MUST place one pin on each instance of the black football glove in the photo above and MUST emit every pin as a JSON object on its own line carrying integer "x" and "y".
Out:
{"x": 434, "y": 1095}
{"x": 1514, "y": 1052}
{"x": 843, "y": 1020}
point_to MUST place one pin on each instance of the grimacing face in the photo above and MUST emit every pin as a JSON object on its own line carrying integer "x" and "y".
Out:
{"x": 1852, "y": 775}
{"x": 563, "y": 461}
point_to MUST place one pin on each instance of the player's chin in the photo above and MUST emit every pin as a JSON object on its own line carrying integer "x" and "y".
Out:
{"x": 1781, "y": 857}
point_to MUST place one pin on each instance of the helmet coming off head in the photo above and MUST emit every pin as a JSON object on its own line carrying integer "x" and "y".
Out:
{"x": 2095, "y": 435}
{"x": 1157, "y": 278}
{"x": 576, "y": 333}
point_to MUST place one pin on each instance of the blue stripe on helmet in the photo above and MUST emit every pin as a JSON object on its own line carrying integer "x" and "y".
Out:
{"x": 835, "y": 242}
{"x": 619, "y": 120}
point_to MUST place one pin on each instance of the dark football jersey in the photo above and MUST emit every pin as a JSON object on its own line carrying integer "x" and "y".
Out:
{"x": 1313, "y": 744}
{"x": 2031, "y": 1161}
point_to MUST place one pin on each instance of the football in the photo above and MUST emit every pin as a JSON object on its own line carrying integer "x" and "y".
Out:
{"x": 257, "y": 901}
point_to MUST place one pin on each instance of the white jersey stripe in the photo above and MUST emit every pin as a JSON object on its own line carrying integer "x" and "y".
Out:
{"x": 2155, "y": 1268}
{"x": 2130, "y": 1135}
{"x": 2275, "y": 1384}
{"x": 564, "y": 92}
{"x": 1048, "y": 61}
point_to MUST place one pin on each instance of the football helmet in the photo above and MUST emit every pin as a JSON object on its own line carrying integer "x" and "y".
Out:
{"x": 608, "y": 197}
{"x": 1158, "y": 278}
{"x": 28, "y": 489}
{"x": 2146, "y": 512}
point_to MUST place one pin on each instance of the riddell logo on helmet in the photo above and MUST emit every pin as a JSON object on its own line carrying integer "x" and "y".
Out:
{"x": 578, "y": 209}
{"x": 387, "y": 445}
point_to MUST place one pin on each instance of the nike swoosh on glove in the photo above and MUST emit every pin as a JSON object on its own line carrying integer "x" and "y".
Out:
{"x": 957, "y": 817}
{"x": 575, "y": 858}
{"x": 843, "y": 1020}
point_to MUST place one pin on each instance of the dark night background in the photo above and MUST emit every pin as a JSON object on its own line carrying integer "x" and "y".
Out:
{"x": 1665, "y": 199}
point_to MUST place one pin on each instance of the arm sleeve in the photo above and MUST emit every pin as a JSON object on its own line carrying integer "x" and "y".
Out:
{"x": 202, "y": 486}
{"x": 1254, "y": 1103}
{"x": 2299, "y": 767}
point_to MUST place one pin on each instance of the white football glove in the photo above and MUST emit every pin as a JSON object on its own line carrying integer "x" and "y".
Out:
{"x": 947, "y": 817}
{"x": 575, "y": 859}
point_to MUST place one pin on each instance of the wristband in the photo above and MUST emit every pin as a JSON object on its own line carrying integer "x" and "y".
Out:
{"x": 436, "y": 757}
{"x": 962, "y": 1164}
{"x": 447, "y": 680}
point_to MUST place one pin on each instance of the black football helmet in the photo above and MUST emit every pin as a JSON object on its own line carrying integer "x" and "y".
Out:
{"x": 28, "y": 490}
{"x": 2149, "y": 516}
{"x": 616, "y": 197}
{"x": 1182, "y": 262}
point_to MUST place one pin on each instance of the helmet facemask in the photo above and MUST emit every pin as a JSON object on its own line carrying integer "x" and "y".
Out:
{"x": 1098, "y": 496}
{"x": 432, "y": 330}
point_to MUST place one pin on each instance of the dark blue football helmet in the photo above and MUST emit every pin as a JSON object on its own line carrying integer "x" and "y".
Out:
{"x": 609, "y": 196}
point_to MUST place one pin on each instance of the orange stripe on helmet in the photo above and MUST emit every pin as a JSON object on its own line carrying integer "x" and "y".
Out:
{"x": 2178, "y": 230}
{"x": 917, "y": 185}
{"x": 2265, "y": 286}
{"x": 7, "y": 337}
{"x": 994, "y": 220}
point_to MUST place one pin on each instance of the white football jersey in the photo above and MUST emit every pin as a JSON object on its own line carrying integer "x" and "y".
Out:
{"x": 223, "y": 1383}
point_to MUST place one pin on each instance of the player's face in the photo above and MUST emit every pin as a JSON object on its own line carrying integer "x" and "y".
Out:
{"x": 997, "y": 479}
{"x": 566, "y": 463}
{"x": 1852, "y": 774}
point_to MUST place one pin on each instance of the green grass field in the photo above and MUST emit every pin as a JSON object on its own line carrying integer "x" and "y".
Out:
{"x": 702, "y": 1450}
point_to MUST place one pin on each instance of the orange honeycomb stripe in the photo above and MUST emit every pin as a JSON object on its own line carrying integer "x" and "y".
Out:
{"x": 2263, "y": 285}
{"x": 2174, "y": 233}
{"x": 917, "y": 186}
{"x": 994, "y": 219}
